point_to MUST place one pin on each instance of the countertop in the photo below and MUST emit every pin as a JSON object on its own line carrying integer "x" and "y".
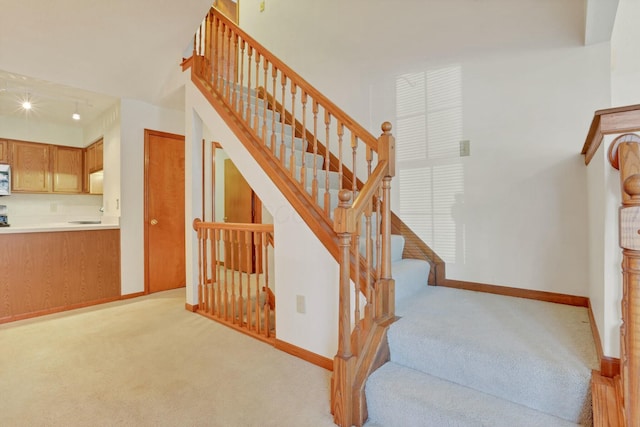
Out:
{"x": 57, "y": 226}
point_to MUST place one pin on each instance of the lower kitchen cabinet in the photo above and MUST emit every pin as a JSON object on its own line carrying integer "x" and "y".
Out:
{"x": 54, "y": 271}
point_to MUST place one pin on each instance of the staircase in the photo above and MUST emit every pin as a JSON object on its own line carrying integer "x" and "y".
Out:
{"x": 453, "y": 358}
{"x": 464, "y": 358}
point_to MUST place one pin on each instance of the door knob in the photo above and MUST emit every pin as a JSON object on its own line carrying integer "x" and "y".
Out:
{"x": 225, "y": 219}
{"x": 154, "y": 221}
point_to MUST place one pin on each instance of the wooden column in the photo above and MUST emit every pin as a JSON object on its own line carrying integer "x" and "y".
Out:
{"x": 344, "y": 362}
{"x": 626, "y": 155}
{"x": 385, "y": 288}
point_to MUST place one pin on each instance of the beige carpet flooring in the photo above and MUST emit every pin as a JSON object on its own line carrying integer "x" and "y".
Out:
{"x": 149, "y": 362}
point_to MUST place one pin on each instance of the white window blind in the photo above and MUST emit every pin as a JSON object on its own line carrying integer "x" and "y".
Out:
{"x": 428, "y": 134}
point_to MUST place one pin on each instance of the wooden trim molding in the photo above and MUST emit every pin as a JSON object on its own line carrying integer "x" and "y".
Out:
{"x": 609, "y": 366}
{"x": 191, "y": 307}
{"x": 610, "y": 121}
{"x": 518, "y": 292}
{"x": 303, "y": 354}
{"x": 55, "y": 310}
{"x": 134, "y": 295}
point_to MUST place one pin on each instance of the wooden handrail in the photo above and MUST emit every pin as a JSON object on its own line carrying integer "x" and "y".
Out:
{"x": 198, "y": 224}
{"x": 610, "y": 121}
{"x": 336, "y": 111}
{"x": 344, "y": 220}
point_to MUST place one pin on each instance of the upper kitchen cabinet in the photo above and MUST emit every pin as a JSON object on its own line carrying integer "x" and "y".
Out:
{"x": 67, "y": 169}
{"x": 30, "y": 167}
{"x": 94, "y": 156}
{"x": 4, "y": 151}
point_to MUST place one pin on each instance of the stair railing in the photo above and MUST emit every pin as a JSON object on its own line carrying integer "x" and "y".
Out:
{"x": 357, "y": 352}
{"x": 331, "y": 159}
{"x": 234, "y": 282}
{"x": 284, "y": 112}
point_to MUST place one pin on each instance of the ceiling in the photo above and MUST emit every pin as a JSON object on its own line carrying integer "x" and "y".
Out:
{"x": 92, "y": 53}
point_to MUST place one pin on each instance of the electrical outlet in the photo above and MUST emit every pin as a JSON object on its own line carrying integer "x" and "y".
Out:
{"x": 465, "y": 148}
{"x": 262, "y": 6}
{"x": 300, "y": 306}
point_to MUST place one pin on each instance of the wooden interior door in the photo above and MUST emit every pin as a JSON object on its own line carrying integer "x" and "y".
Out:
{"x": 164, "y": 211}
{"x": 241, "y": 205}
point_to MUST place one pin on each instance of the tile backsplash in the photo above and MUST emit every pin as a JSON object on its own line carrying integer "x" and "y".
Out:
{"x": 30, "y": 209}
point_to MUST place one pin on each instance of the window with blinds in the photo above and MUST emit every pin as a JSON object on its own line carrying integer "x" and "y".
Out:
{"x": 431, "y": 175}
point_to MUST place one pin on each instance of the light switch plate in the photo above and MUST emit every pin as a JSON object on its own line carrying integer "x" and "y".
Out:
{"x": 465, "y": 148}
{"x": 300, "y": 306}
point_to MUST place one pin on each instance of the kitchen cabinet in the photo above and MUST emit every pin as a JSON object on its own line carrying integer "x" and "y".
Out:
{"x": 94, "y": 156}
{"x": 48, "y": 272}
{"x": 4, "y": 151}
{"x": 30, "y": 167}
{"x": 67, "y": 169}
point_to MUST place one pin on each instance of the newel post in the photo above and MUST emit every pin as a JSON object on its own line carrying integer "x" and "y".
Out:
{"x": 344, "y": 361}
{"x": 386, "y": 286}
{"x": 626, "y": 155}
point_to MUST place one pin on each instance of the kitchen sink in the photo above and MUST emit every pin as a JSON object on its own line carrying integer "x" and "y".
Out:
{"x": 86, "y": 222}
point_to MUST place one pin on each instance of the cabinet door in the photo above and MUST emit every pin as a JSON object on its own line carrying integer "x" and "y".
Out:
{"x": 4, "y": 151}
{"x": 99, "y": 156}
{"x": 67, "y": 169}
{"x": 30, "y": 167}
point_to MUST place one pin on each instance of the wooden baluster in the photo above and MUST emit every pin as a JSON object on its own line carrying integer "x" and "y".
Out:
{"x": 227, "y": 83}
{"x": 234, "y": 60}
{"x": 235, "y": 266}
{"x": 212, "y": 267}
{"x": 209, "y": 46}
{"x": 265, "y": 98}
{"x": 369, "y": 257}
{"x": 292, "y": 157}
{"x": 354, "y": 163}
{"x": 283, "y": 83}
{"x": 314, "y": 182}
{"x": 327, "y": 196}
{"x": 218, "y": 237}
{"x": 344, "y": 361}
{"x": 369, "y": 154}
{"x": 303, "y": 170}
{"x": 355, "y": 248}
{"x": 247, "y": 117}
{"x": 255, "y": 115}
{"x": 215, "y": 58}
{"x": 200, "y": 281}
{"x": 272, "y": 141}
{"x": 266, "y": 318}
{"x": 228, "y": 248}
{"x": 205, "y": 270}
{"x": 241, "y": 264}
{"x": 241, "y": 85}
{"x": 257, "y": 250}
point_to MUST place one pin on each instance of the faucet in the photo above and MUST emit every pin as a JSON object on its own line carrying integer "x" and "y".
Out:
{"x": 102, "y": 209}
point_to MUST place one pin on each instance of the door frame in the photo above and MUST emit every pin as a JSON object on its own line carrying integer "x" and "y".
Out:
{"x": 147, "y": 134}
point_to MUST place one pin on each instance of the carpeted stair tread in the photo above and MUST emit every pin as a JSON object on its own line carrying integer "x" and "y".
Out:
{"x": 400, "y": 396}
{"x": 410, "y": 276}
{"x": 534, "y": 353}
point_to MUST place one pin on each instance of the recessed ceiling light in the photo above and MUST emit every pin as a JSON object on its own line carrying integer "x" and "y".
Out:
{"x": 26, "y": 105}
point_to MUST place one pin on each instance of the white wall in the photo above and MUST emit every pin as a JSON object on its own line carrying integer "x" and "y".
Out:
{"x": 32, "y": 129}
{"x": 302, "y": 265}
{"x": 135, "y": 117}
{"x": 529, "y": 88}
